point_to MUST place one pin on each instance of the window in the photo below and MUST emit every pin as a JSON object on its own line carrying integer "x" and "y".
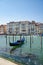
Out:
{"x": 23, "y": 25}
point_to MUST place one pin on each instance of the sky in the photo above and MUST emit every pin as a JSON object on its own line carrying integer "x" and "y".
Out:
{"x": 21, "y": 10}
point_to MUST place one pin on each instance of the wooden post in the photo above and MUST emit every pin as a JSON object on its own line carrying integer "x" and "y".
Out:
{"x": 9, "y": 38}
{"x": 20, "y": 47}
{"x": 6, "y": 42}
{"x": 20, "y": 36}
{"x": 30, "y": 40}
{"x": 26, "y": 38}
{"x": 41, "y": 43}
{"x": 13, "y": 37}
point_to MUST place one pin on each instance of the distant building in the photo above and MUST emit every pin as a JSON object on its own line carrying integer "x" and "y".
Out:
{"x": 20, "y": 27}
{"x": 37, "y": 28}
{"x": 10, "y": 28}
{"x": 32, "y": 27}
{"x": 41, "y": 28}
{"x": 13, "y": 28}
{"x": 3, "y": 29}
{"x": 24, "y": 27}
{"x": 16, "y": 27}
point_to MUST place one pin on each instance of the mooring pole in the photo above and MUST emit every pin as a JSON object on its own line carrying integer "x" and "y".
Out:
{"x": 20, "y": 36}
{"x": 32, "y": 38}
{"x": 20, "y": 47}
{"x": 9, "y": 38}
{"x": 13, "y": 37}
{"x": 6, "y": 42}
{"x": 30, "y": 41}
{"x": 26, "y": 38}
{"x": 41, "y": 42}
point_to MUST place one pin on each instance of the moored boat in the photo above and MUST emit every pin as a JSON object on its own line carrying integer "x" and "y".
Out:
{"x": 18, "y": 42}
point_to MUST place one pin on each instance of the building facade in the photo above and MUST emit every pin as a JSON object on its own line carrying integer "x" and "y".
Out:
{"x": 3, "y": 29}
{"x": 22, "y": 27}
{"x": 41, "y": 28}
{"x": 10, "y": 28}
{"x": 13, "y": 28}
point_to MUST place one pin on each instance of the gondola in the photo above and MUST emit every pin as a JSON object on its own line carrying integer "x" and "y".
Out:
{"x": 41, "y": 34}
{"x": 18, "y": 42}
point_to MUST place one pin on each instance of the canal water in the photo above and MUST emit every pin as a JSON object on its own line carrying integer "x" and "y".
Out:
{"x": 33, "y": 44}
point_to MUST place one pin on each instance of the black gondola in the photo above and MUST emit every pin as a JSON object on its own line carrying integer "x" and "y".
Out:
{"x": 18, "y": 42}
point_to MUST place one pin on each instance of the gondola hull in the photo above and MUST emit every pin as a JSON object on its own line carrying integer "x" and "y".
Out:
{"x": 17, "y": 43}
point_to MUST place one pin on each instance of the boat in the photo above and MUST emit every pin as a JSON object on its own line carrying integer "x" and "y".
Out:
{"x": 41, "y": 34}
{"x": 18, "y": 42}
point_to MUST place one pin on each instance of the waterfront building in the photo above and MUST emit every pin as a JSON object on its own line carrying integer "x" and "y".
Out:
{"x": 37, "y": 28}
{"x": 20, "y": 27}
{"x": 10, "y": 28}
{"x": 13, "y": 28}
{"x": 3, "y": 29}
{"x": 41, "y": 28}
{"x": 17, "y": 28}
{"x": 32, "y": 27}
{"x": 24, "y": 27}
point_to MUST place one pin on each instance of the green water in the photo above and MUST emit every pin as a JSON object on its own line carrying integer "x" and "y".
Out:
{"x": 25, "y": 49}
